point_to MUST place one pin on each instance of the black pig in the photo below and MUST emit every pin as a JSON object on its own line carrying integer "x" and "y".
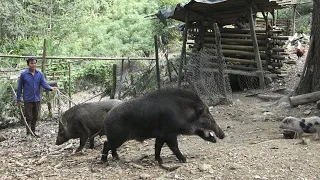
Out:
{"x": 162, "y": 114}
{"x": 84, "y": 121}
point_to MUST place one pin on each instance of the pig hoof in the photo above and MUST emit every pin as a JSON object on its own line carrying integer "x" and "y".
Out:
{"x": 116, "y": 158}
{"x": 183, "y": 160}
{"x": 160, "y": 161}
{"x": 104, "y": 159}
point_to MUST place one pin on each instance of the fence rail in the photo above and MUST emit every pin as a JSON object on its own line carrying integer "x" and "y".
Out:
{"x": 82, "y": 58}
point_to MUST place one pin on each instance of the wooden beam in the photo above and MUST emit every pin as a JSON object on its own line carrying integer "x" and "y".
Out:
{"x": 256, "y": 47}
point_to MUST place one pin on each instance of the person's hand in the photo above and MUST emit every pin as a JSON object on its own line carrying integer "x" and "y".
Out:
{"x": 18, "y": 103}
{"x": 54, "y": 88}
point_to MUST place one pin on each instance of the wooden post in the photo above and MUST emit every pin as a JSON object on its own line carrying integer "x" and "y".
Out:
{"x": 43, "y": 66}
{"x": 69, "y": 67}
{"x": 202, "y": 31}
{"x": 121, "y": 74}
{"x": 114, "y": 81}
{"x": 183, "y": 50}
{"x": 273, "y": 18}
{"x": 44, "y": 54}
{"x": 268, "y": 26}
{"x": 168, "y": 64}
{"x": 256, "y": 47}
{"x": 157, "y": 60}
{"x": 221, "y": 61}
{"x": 294, "y": 20}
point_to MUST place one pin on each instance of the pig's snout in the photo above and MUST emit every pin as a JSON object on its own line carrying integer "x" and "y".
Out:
{"x": 60, "y": 140}
{"x": 218, "y": 132}
{"x": 221, "y": 135}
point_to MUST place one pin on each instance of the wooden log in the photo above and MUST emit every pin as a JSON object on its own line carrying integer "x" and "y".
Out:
{"x": 243, "y": 53}
{"x": 229, "y": 35}
{"x": 239, "y": 67}
{"x": 280, "y": 37}
{"x": 233, "y": 71}
{"x": 278, "y": 49}
{"x": 304, "y": 98}
{"x": 235, "y": 47}
{"x": 269, "y": 97}
{"x": 236, "y": 30}
{"x": 234, "y": 41}
{"x": 242, "y": 61}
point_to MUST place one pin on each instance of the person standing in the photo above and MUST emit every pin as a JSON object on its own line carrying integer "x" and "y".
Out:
{"x": 30, "y": 81}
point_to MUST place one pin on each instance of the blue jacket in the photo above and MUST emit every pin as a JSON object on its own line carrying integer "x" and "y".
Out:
{"x": 31, "y": 86}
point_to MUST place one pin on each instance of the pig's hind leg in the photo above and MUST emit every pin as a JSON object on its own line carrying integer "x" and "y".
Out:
{"x": 111, "y": 144}
{"x": 91, "y": 142}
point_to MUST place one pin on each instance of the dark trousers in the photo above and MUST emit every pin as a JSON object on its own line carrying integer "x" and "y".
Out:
{"x": 31, "y": 111}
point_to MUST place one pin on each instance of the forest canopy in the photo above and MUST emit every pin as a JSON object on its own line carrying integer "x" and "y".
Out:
{"x": 80, "y": 28}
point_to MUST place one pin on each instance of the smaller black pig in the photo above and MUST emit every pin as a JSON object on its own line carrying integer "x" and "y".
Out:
{"x": 84, "y": 121}
{"x": 162, "y": 114}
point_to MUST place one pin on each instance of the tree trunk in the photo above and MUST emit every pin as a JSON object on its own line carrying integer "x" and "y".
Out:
{"x": 310, "y": 79}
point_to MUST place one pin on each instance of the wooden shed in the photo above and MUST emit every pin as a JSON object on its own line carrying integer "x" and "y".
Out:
{"x": 249, "y": 43}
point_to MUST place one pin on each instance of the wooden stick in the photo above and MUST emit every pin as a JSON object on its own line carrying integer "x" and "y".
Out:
{"x": 23, "y": 117}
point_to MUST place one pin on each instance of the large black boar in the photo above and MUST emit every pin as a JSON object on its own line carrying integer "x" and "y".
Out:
{"x": 84, "y": 121}
{"x": 162, "y": 114}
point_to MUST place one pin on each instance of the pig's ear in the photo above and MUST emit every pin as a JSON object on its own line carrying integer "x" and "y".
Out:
{"x": 200, "y": 110}
{"x": 303, "y": 120}
{"x": 316, "y": 123}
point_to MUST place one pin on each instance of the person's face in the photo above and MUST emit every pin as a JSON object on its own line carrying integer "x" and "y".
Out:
{"x": 32, "y": 65}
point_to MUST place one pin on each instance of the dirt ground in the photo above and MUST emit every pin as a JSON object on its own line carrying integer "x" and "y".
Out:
{"x": 253, "y": 148}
